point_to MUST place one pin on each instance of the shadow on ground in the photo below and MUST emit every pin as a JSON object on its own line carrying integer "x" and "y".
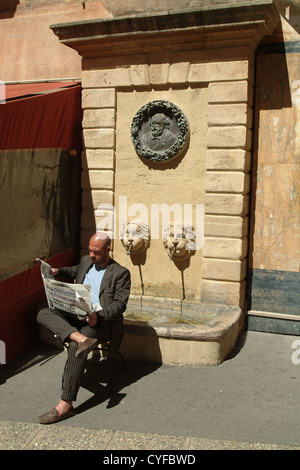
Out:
{"x": 40, "y": 353}
{"x": 95, "y": 379}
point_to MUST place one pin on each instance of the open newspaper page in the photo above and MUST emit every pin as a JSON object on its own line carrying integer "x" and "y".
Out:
{"x": 72, "y": 298}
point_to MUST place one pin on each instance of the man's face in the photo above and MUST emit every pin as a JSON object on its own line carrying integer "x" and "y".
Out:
{"x": 99, "y": 252}
{"x": 157, "y": 125}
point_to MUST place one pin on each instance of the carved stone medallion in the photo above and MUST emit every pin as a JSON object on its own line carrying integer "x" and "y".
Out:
{"x": 159, "y": 131}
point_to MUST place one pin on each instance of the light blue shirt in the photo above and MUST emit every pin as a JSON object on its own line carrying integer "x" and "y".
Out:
{"x": 93, "y": 278}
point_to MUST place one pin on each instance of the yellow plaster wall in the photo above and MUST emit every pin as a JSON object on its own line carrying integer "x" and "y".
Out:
{"x": 179, "y": 181}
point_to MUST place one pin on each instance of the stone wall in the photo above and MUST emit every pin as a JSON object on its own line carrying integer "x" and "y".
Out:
{"x": 229, "y": 95}
{"x": 224, "y": 73}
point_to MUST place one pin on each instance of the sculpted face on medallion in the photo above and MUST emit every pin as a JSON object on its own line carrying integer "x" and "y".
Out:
{"x": 159, "y": 131}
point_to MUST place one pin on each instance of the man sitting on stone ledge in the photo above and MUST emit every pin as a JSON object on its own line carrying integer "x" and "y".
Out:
{"x": 110, "y": 287}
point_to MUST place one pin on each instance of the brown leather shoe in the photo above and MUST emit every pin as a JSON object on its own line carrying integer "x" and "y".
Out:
{"x": 85, "y": 347}
{"x": 53, "y": 416}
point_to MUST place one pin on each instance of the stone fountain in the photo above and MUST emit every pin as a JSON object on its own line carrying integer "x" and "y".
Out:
{"x": 173, "y": 330}
{"x": 167, "y": 102}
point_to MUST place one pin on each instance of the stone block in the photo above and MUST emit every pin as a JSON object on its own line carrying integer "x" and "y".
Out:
{"x": 232, "y": 137}
{"x": 226, "y": 204}
{"x": 97, "y": 179}
{"x": 228, "y": 159}
{"x": 230, "y": 92}
{"x": 230, "y": 114}
{"x": 227, "y": 182}
{"x": 159, "y": 73}
{"x": 179, "y": 72}
{"x": 98, "y": 159}
{"x": 225, "y": 226}
{"x": 93, "y": 199}
{"x": 95, "y": 118}
{"x": 98, "y": 98}
{"x": 99, "y": 138}
{"x": 224, "y": 270}
{"x": 139, "y": 74}
{"x": 224, "y": 248}
{"x": 114, "y": 77}
{"x": 219, "y": 71}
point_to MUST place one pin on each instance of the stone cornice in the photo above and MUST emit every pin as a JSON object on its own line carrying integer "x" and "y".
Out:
{"x": 235, "y": 24}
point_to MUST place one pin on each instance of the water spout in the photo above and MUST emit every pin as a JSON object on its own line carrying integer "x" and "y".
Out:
{"x": 130, "y": 246}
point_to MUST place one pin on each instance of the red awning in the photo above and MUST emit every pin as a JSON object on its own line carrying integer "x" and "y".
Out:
{"x": 41, "y": 115}
{"x": 21, "y": 90}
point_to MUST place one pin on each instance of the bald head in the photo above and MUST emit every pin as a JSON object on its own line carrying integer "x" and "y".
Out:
{"x": 99, "y": 248}
{"x": 101, "y": 237}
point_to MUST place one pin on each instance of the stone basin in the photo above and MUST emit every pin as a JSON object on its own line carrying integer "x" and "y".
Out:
{"x": 179, "y": 332}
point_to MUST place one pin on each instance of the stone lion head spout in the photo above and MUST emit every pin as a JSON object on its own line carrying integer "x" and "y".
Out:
{"x": 179, "y": 241}
{"x": 135, "y": 237}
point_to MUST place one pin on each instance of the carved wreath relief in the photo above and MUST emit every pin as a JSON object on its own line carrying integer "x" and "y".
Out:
{"x": 159, "y": 131}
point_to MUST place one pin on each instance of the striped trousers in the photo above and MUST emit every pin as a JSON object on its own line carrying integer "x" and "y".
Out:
{"x": 62, "y": 326}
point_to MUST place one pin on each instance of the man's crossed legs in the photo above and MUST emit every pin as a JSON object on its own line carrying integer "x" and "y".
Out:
{"x": 82, "y": 339}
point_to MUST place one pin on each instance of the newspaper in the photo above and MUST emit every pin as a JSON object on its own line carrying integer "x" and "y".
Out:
{"x": 74, "y": 299}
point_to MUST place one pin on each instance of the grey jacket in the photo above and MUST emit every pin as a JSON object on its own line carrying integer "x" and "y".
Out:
{"x": 114, "y": 289}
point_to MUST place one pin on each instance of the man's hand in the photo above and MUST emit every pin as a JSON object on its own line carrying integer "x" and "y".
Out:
{"x": 92, "y": 319}
{"x": 53, "y": 271}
